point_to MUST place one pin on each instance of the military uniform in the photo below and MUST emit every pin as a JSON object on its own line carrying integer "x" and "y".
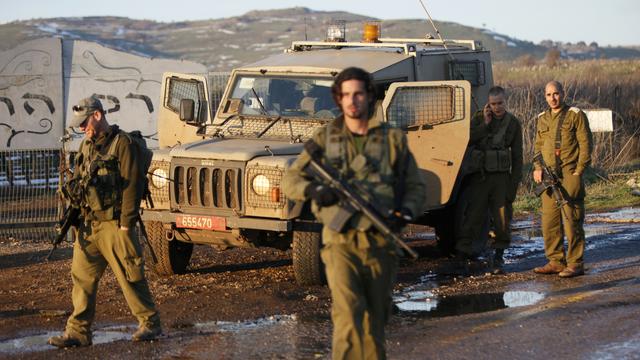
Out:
{"x": 573, "y": 155}
{"x": 496, "y": 172}
{"x": 100, "y": 240}
{"x": 361, "y": 263}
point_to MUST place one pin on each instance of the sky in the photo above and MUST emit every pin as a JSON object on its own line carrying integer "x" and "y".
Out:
{"x": 608, "y": 22}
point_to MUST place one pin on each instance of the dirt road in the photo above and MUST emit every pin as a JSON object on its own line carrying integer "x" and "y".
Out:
{"x": 244, "y": 304}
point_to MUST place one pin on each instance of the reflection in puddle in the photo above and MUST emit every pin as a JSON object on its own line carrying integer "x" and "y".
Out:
{"x": 619, "y": 350}
{"x": 38, "y": 342}
{"x": 425, "y": 301}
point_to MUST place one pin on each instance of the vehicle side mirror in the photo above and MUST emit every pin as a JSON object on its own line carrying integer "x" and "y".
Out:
{"x": 187, "y": 108}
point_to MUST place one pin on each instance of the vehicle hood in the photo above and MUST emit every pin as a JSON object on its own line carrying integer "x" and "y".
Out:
{"x": 235, "y": 149}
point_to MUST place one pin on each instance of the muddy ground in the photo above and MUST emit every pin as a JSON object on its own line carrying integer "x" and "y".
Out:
{"x": 244, "y": 303}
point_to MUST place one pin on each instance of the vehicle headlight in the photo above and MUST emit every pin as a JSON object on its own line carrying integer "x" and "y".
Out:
{"x": 159, "y": 178}
{"x": 260, "y": 185}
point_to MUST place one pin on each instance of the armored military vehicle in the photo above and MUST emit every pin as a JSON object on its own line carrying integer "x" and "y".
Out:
{"x": 216, "y": 178}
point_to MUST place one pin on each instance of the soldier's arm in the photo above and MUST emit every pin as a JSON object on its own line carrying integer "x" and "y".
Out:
{"x": 127, "y": 155}
{"x": 295, "y": 180}
{"x": 585, "y": 142}
{"x": 415, "y": 190}
{"x": 478, "y": 129}
{"x": 539, "y": 139}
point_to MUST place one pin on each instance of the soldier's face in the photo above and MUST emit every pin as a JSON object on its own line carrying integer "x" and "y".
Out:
{"x": 354, "y": 99}
{"x": 497, "y": 105}
{"x": 89, "y": 125}
{"x": 553, "y": 96}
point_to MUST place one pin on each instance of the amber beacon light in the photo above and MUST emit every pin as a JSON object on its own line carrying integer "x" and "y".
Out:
{"x": 371, "y": 32}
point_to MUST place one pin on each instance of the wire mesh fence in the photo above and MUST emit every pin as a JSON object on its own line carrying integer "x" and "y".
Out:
{"x": 29, "y": 204}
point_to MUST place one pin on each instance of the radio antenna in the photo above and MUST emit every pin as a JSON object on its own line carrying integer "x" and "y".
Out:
{"x": 444, "y": 44}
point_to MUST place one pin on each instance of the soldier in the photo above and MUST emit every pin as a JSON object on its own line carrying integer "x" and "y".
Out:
{"x": 106, "y": 168}
{"x": 496, "y": 140}
{"x": 564, "y": 139}
{"x": 360, "y": 263}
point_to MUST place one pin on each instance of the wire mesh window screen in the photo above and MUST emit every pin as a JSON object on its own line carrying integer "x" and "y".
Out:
{"x": 28, "y": 202}
{"x": 472, "y": 71}
{"x": 425, "y": 105}
{"x": 259, "y": 194}
{"x": 217, "y": 84}
{"x": 179, "y": 89}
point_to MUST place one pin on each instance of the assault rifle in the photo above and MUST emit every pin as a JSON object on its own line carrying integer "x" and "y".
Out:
{"x": 350, "y": 201}
{"x": 70, "y": 218}
{"x": 551, "y": 181}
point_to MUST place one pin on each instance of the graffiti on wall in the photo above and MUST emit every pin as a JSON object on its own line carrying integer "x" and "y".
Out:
{"x": 127, "y": 85}
{"x": 42, "y": 78}
{"x": 30, "y": 96}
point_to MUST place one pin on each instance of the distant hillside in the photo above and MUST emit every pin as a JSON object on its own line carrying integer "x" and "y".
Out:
{"x": 222, "y": 44}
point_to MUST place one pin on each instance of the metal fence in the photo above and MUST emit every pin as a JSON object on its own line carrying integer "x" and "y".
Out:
{"x": 29, "y": 205}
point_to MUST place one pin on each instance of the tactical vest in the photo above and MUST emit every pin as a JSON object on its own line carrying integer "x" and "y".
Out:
{"x": 370, "y": 172}
{"x": 102, "y": 183}
{"x": 496, "y": 155}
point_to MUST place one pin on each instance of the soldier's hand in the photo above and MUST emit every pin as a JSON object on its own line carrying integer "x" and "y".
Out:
{"x": 322, "y": 194}
{"x": 488, "y": 114}
{"x": 400, "y": 218}
{"x": 537, "y": 176}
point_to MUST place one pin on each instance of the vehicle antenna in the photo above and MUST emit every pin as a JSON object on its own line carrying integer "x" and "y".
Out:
{"x": 444, "y": 44}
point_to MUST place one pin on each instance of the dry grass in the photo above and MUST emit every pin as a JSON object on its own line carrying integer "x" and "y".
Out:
{"x": 611, "y": 84}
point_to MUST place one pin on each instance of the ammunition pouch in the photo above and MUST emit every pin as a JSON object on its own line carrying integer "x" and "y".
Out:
{"x": 103, "y": 189}
{"x": 497, "y": 160}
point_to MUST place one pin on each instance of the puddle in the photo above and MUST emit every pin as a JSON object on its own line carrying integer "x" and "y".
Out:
{"x": 527, "y": 234}
{"x": 425, "y": 301}
{"x": 626, "y": 214}
{"x": 619, "y": 350}
{"x": 228, "y": 326}
{"x": 38, "y": 342}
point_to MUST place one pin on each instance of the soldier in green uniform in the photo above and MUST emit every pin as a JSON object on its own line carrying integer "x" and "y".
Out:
{"x": 564, "y": 139}
{"x": 496, "y": 172}
{"x": 360, "y": 263}
{"x": 106, "y": 169}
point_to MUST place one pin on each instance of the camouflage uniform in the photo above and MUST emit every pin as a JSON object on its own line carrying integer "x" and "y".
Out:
{"x": 101, "y": 242}
{"x": 497, "y": 157}
{"x": 360, "y": 263}
{"x": 575, "y": 156}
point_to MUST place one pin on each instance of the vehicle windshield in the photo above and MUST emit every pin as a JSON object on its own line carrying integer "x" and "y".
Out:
{"x": 285, "y": 96}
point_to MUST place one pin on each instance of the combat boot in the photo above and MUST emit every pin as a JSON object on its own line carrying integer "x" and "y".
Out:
{"x": 145, "y": 333}
{"x": 498, "y": 262}
{"x": 66, "y": 340}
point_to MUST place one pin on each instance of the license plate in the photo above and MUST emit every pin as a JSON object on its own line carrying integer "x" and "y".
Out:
{"x": 201, "y": 222}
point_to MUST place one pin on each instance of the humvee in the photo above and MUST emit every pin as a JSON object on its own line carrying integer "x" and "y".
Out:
{"x": 216, "y": 177}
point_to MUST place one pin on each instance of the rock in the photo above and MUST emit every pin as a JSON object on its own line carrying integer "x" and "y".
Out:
{"x": 632, "y": 183}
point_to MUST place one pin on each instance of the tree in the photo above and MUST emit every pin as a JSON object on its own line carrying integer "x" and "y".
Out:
{"x": 552, "y": 58}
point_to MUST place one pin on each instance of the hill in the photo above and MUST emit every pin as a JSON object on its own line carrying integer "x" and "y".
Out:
{"x": 222, "y": 44}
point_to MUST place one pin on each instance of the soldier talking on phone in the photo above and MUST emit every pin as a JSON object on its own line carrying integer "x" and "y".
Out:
{"x": 496, "y": 142}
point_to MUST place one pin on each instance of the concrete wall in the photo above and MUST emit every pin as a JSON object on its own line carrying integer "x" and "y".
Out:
{"x": 31, "y": 111}
{"x": 41, "y": 79}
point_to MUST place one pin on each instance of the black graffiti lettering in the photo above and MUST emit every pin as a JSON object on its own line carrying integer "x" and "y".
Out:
{"x": 43, "y": 98}
{"x": 9, "y": 104}
{"x": 144, "y": 98}
{"x": 28, "y": 108}
{"x": 113, "y": 99}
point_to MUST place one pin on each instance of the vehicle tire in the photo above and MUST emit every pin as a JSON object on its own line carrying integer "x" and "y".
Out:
{"x": 307, "y": 265}
{"x": 171, "y": 257}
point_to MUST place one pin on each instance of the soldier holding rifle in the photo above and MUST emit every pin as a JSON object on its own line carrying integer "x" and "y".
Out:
{"x": 360, "y": 261}
{"x": 564, "y": 142}
{"x": 107, "y": 172}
